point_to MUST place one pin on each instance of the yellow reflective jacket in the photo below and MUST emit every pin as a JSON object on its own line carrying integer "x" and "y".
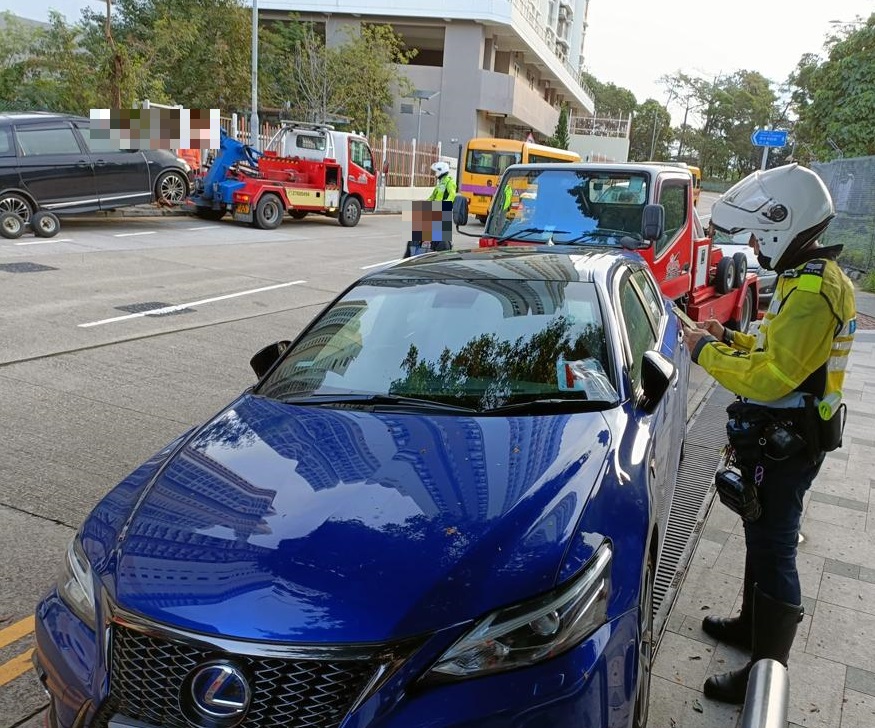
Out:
{"x": 803, "y": 341}
{"x": 444, "y": 190}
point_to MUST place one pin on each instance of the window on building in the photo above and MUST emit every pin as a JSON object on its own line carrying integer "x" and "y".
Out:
{"x": 427, "y": 40}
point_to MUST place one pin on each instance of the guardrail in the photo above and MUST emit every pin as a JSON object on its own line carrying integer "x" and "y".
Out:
{"x": 768, "y": 696}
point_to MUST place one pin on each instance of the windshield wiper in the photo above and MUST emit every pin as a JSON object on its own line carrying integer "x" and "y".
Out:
{"x": 626, "y": 239}
{"x": 562, "y": 404}
{"x": 525, "y": 232}
{"x": 367, "y": 400}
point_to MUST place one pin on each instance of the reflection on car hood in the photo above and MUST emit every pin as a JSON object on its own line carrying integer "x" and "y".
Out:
{"x": 328, "y": 525}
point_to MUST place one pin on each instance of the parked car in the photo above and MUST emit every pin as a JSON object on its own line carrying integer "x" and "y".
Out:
{"x": 738, "y": 243}
{"x": 53, "y": 162}
{"x": 440, "y": 505}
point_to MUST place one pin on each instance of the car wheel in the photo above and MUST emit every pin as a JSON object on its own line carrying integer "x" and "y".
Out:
{"x": 45, "y": 224}
{"x": 11, "y": 226}
{"x": 747, "y": 313}
{"x": 350, "y": 211}
{"x": 725, "y": 277}
{"x": 12, "y": 202}
{"x": 269, "y": 212}
{"x": 298, "y": 214}
{"x": 645, "y": 648}
{"x": 171, "y": 188}
{"x": 740, "y": 262}
{"x": 209, "y": 213}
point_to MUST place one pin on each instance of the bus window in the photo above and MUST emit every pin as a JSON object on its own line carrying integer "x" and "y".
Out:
{"x": 480, "y": 161}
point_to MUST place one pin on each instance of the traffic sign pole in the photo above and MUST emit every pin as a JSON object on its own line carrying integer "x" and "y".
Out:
{"x": 765, "y": 157}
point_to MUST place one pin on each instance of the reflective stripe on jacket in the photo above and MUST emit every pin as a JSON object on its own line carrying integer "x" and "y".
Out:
{"x": 803, "y": 341}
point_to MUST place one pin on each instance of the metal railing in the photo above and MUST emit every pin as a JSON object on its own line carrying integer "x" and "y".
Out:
{"x": 768, "y": 696}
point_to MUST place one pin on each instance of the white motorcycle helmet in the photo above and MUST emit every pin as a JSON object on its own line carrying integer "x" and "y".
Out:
{"x": 440, "y": 168}
{"x": 786, "y": 208}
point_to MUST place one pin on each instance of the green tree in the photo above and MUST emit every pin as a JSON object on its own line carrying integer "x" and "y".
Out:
{"x": 611, "y": 101}
{"x": 651, "y": 134}
{"x": 560, "y": 138}
{"x": 367, "y": 72}
{"x": 277, "y": 76}
{"x": 835, "y": 99}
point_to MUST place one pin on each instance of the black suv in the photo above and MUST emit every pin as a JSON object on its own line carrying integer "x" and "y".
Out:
{"x": 50, "y": 162}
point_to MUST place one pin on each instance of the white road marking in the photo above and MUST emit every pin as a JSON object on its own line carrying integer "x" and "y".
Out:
{"x": 180, "y": 306}
{"x": 130, "y": 235}
{"x": 377, "y": 265}
{"x": 43, "y": 242}
{"x": 205, "y": 227}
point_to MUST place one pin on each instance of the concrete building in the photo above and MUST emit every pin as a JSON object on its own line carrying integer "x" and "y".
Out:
{"x": 484, "y": 67}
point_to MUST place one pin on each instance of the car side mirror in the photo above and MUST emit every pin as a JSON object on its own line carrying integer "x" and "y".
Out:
{"x": 652, "y": 222}
{"x": 657, "y": 374}
{"x": 262, "y": 362}
{"x": 460, "y": 210}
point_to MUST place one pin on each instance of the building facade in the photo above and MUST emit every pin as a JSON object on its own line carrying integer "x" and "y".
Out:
{"x": 483, "y": 68}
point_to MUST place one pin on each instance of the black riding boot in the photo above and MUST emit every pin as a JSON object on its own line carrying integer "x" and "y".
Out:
{"x": 774, "y": 629}
{"x": 735, "y": 631}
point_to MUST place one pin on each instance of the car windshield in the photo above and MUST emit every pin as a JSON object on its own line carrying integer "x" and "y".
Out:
{"x": 482, "y": 344}
{"x": 494, "y": 162}
{"x": 588, "y": 207}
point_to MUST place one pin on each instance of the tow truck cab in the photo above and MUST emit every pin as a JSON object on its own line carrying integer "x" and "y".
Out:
{"x": 615, "y": 205}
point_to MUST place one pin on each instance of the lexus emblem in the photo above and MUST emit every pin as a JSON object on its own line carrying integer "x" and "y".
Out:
{"x": 217, "y": 695}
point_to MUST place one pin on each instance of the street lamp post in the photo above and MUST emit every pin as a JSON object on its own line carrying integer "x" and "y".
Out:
{"x": 253, "y": 119}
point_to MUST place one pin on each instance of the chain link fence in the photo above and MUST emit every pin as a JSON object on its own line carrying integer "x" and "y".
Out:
{"x": 852, "y": 185}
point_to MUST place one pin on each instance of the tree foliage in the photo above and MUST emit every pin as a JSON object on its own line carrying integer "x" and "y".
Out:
{"x": 834, "y": 98}
{"x": 651, "y": 134}
{"x": 198, "y": 55}
{"x": 561, "y": 138}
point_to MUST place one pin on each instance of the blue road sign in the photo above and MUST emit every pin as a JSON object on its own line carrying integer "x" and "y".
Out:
{"x": 769, "y": 138}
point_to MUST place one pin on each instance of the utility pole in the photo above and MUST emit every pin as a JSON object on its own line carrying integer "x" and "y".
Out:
{"x": 115, "y": 74}
{"x": 253, "y": 119}
{"x": 653, "y": 136}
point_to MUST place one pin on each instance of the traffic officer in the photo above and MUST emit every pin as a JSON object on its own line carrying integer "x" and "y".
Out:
{"x": 445, "y": 187}
{"x": 788, "y": 380}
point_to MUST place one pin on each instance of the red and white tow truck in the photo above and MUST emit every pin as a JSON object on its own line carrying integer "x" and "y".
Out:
{"x": 306, "y": 168}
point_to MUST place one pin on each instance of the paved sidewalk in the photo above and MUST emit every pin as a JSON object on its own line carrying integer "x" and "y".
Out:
{"x": 832, "y": 664}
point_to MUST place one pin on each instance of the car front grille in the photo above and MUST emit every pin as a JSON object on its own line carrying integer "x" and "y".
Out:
{"x": 148, "y": 676}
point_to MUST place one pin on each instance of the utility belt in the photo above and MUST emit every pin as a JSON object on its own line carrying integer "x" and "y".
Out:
{"x": 762, "y": 437}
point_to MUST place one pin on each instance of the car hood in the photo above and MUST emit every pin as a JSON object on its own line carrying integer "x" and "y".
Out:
{"x": 309, "y": 524}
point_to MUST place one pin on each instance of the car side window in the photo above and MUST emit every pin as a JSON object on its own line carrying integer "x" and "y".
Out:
{"x": 639, "y": 328}
{"x": 673, "y": 197}
{"x": 100, "y": 145}
{"x": 7, "y": 149}
{"x": 651, "y": 296}
{"x": 36, "y": 141}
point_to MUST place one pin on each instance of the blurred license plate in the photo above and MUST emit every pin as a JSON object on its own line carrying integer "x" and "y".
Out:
{"x": 243, "y": 209}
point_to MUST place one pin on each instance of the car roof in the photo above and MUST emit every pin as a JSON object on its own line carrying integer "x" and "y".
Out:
{"x": 10, "y": 117}
{"x": 537, "y": 262}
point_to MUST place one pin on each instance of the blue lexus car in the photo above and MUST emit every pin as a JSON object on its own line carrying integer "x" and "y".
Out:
{"x": 440, "y": 506}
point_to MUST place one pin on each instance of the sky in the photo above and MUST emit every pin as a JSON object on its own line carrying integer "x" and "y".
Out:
{"x": 632, "y": 43}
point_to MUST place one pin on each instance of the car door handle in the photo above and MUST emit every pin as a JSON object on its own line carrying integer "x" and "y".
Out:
{"x": 100, "y": 163}
{"x": 82, "y": 163}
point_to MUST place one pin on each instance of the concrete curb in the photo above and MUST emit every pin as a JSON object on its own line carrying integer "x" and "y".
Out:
{"x": 134, "y": 213}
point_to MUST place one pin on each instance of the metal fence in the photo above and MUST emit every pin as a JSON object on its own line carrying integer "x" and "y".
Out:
{"x": 852, "y": 185}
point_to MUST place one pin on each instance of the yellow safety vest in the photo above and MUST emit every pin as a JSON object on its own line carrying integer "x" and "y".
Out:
{"x": 804, "y": 338}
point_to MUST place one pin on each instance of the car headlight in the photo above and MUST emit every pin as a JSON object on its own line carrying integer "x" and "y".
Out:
{"x": 76, "y": 583}
{"x": 532, "y": 631}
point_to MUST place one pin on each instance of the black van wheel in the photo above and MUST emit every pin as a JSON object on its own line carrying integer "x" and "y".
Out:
{"x": 15, "y": 203}
{"x": 11, "y": 226}
{"x": 45, "y": 224}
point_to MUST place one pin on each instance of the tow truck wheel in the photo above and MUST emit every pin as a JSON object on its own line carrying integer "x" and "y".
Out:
{"x": 350, "y": 211}
{"x": 11, "y": 226}
{"x": 725, "y": 277}
{"x": 209, "y": 213}
{"x": 269, "y": 212}
{"x": 747, "y": 313}
{"x": 45, "y": 224}
{"x": 740, "y": 261}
